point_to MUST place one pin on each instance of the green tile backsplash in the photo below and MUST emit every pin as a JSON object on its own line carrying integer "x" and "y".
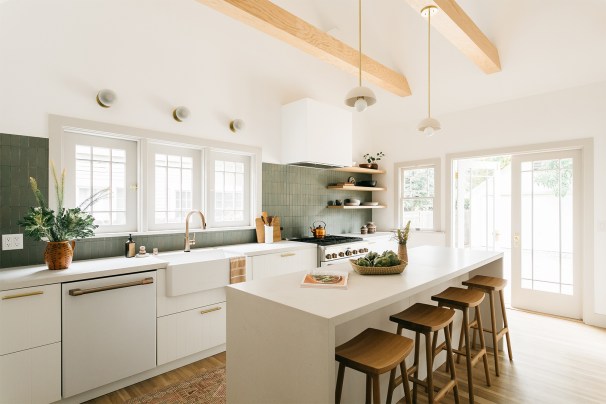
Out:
{"x": 297, "y": 194}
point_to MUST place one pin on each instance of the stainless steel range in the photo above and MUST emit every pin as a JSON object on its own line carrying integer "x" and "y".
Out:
{"x": 337, "y": 249}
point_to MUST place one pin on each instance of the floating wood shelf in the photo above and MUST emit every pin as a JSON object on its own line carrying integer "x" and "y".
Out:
{"x": 359, "y": 170}
{"x": 355, "y": 188}
{"x": 357, "y": 207}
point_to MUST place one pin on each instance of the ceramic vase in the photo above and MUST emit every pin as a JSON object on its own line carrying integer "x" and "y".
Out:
{"x": 403, "y": 253}
{"x": 59, "y": 254}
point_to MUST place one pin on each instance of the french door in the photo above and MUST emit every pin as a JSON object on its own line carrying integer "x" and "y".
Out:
{"x": 546, "y": 218}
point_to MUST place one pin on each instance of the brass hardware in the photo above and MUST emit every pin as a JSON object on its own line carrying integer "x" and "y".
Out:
{"x": 38, "y": 292}
{"x": 210, "y": 310}
{"x": 189, "y": 242}
{"x": 80, "y": 292}
{"x": 287, "y": 254}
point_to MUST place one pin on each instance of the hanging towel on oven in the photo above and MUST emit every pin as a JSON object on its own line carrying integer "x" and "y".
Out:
{"x": 237, "y": 269}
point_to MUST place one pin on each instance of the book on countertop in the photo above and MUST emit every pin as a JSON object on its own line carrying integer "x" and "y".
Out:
{"x": 325, "y": 279}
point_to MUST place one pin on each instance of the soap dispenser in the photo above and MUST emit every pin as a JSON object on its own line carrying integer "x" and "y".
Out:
{"x": 129, "y": 247}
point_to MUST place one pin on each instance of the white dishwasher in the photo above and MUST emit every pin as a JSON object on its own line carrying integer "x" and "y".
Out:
{"x": 109, "y": 330}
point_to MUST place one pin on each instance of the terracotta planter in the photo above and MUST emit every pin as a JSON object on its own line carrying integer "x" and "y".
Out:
{"x": 59, "y": 254}
{"x": 402, "y": 252}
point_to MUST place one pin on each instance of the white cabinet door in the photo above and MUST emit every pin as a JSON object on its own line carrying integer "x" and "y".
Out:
{"x": 32, "y": 376}
{"x": 109, "y": 332}
{"x": 264, "y": 266}
{"x": 190, "y": 332}
{"x": 29, "y": 317}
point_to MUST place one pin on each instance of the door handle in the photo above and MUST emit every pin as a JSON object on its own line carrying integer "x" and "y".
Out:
{"x": 80, "y": 292}
{"x": 516, "y": 239}
{"x": 287, "y": 255}
{"x": 17, "y": 296}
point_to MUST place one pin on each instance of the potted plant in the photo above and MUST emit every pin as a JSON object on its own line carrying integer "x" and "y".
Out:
{"x": 402, "y": 237}
{"x": 59, "y": 228}
{"x": 371, "y": 160}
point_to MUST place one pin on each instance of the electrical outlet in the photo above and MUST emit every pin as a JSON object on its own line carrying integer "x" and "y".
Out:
{"x": 12, "y": 242}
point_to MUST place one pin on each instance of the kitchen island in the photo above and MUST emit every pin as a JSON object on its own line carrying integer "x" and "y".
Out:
{"x": 281, "y": 337}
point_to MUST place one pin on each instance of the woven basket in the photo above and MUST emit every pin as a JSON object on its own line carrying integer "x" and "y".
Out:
{"x": 396, "y": 269}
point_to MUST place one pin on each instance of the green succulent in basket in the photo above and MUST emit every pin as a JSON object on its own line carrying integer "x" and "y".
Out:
{"x": 402, "y": 234}
{"x": 43, "y": 223}
{"x": 372, "y": 259}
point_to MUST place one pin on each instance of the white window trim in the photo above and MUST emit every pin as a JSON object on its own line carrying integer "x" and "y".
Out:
{"x": 58, "y": 124}
{"x": 437, "y": 208}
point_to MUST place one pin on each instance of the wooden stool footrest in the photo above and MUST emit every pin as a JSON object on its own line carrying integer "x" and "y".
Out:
{"x": 441, "y": 391}
{"x": 474, "y": 358}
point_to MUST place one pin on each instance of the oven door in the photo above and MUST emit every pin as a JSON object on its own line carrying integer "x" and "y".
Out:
{"x": 339, "y": 260}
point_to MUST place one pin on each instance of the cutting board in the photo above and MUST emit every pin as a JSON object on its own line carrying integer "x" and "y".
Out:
{"x": 260, "y": 227}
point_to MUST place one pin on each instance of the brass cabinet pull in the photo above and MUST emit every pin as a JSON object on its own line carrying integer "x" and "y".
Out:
{"x": 38, "y": 292}
{"x": 80, "y": 292}
{"x": 210, "y": 310}
{"x": 287, "y": 254}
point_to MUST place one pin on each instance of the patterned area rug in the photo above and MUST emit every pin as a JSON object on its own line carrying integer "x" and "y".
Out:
{"x": 207, "y": 388}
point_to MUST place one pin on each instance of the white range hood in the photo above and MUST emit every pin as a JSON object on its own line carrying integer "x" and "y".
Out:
{"x": 316, "y": 134}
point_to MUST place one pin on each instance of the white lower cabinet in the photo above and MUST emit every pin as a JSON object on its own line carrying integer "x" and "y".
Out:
{"x": 186, "y": 333}
{"x": 267, "y": 265}
{"x": 32, "y": 376}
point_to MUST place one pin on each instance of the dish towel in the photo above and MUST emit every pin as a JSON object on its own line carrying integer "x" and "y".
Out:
{"x": 237, "y": 269}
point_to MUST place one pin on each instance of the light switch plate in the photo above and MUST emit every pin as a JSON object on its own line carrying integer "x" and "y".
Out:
{"x": 12, "y": 242}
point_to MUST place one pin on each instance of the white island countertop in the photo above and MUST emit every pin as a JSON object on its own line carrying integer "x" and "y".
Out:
{"x": 428, "y": 266}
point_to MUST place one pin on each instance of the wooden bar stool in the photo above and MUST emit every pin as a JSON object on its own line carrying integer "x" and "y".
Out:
{"x": 426, "y": 319}
{"x": 464, "y": 299}
{"x": 490, "y": 285}
{"x": 373, "y": 352}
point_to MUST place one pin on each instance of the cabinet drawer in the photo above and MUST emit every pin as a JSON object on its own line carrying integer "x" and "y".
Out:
{"x": 187, "y": 333}
{"x": 283, "y": 263}
{"x": 30, "y": 317}
{"x": 176, "y": 304}
{"x": 31, "y": 376}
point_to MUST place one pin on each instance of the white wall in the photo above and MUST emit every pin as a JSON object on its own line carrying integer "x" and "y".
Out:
{"x": 570, "y": 114}
{"x": 155, "y": 54}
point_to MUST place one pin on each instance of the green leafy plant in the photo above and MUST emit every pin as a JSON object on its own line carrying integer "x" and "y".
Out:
{"x": 43, "y": 223}
{"x": 402, "y": 234}
{"x": 371, "y": 159}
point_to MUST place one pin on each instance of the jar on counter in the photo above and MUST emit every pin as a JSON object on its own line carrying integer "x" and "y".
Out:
{"x": 363, "y": 229}
{"x": 372, "y": 228}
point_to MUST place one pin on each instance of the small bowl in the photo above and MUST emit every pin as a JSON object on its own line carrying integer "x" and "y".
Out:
{"x": 352, "y": 201}
{"x": 369, "y": 183}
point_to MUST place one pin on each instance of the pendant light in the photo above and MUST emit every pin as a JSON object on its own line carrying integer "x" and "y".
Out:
{"x": 360, "y": 97}
{"x": 429, "y": 125}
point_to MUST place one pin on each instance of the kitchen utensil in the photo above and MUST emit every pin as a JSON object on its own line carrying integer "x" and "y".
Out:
{"x": 319, "y": 231}
{"x": 370, "y": 203}
{"x": 368, "y": 183}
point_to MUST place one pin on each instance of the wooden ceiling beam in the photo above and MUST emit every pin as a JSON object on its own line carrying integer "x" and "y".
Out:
{"x": 463, "y": 33}
{"x": 279, "y": 23}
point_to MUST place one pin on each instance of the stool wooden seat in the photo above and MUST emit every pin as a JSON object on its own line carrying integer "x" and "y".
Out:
{"x": 373, "y": 352}
{"x": 465, "y": 299}
{"x": 490, "y": 285}
{"x": 426, "y": 319}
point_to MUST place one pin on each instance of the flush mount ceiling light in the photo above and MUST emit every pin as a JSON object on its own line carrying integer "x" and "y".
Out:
{"x": 360, "y": 97}
{"x": 236, "y": 125}
{"x": 181, "y": 114}
{"x": 106, "y": 98}
{"x": 429, "y": 125}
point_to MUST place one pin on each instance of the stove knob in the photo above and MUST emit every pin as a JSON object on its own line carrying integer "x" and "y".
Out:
{"x": 365, "y": 250}
{"x": 355, "y": 252}
{"x": 328, "y": 256}
{"x": 348, "y": 253}
{"x": 334, "y": 255}
{"x": 341, "y": 254}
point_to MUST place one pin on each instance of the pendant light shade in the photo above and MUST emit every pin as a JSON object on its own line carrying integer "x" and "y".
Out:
{"x": 429, "y": 125}
{"x": 360, "y": 97}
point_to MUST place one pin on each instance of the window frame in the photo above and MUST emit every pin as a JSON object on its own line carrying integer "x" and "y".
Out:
{"x": 58, "y": 125}
{"x": 399, "y": 169}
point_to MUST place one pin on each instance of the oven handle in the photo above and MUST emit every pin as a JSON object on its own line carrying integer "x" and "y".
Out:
{"x": 80, "y": 292}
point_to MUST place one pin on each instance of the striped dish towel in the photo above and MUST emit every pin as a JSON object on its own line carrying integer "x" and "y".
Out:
{"x": 237, "y": 269}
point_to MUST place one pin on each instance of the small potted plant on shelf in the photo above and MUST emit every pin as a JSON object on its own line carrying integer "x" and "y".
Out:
{"x": 401, "y": 235}
{"x": 59, "y": 228}
{"x": 371, "y": 160}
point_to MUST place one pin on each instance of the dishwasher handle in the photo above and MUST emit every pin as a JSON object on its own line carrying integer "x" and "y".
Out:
{"x": 80, "y": 292}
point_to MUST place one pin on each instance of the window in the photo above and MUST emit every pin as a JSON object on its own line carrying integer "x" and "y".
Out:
{"x": 418, "y": 184}
{"x": 100, "y": 163}
{"x": 229, "y": 190}
{"x": 174, "y": 184}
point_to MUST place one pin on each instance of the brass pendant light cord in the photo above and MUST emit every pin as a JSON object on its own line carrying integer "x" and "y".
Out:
{"x": 429, "y": 63}
{"x": 360, "y": 41}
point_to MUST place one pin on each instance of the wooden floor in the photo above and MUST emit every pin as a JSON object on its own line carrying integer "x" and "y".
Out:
{"x": 555, "y": 361}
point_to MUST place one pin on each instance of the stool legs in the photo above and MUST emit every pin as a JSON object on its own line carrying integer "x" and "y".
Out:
{"x": 465, "y": 330}
{"x": 429, "y": 360}
{"x": 502, "y": 299}
{"x": 482, "y": 345}
{"x": 450, "y": 363}
{"x": 495, "y": 335}
{"x": 339, "y": 389}
{"x": 368, "y": 388}
{"x": 416, "y": 366}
